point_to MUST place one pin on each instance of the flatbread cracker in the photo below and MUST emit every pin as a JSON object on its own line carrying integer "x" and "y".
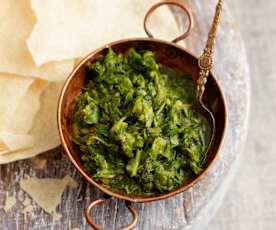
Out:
{"x": 19, "y": 102}
{"x": 44, "y": 129}
{"x": 16, "y": 23}
{"x": 12, "y": 142}
{"x": 22, "y": 119}
{"x": 47, "y": 199}
{"x": 68, "y": 29}
{"x": 12, "y": 90}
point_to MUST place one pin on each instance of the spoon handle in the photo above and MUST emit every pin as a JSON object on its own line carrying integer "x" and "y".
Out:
{"x": 206, "y": 61}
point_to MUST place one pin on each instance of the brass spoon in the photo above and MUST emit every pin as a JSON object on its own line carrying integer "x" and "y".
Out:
{"x": 206, "y": 63}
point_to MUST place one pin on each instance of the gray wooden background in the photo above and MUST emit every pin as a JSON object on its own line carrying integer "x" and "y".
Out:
{"x": 250, "y": 203}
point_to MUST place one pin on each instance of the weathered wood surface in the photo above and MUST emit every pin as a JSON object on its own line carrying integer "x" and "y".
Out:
{"x": 200, "y": 202}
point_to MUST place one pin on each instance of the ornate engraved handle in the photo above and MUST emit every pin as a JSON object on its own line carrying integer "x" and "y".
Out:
{"x": 206, "y": 61}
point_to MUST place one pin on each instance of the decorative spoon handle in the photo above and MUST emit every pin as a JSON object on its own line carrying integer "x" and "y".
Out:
{"x": 206, "y": 60}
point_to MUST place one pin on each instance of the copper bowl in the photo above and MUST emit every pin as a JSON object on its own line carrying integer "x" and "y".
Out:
{"x": 168, "y": 54}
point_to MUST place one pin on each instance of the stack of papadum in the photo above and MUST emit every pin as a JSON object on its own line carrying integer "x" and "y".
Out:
{"x": 40, "y": 41}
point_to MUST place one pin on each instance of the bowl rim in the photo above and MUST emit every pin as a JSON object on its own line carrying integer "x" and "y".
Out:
{"x": 104, "y": 189}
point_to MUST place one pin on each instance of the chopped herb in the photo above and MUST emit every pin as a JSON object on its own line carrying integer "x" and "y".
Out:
{"x": 133, "y": 125}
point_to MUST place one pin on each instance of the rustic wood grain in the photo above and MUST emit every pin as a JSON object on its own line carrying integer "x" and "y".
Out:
{"x": 200, "y": 202}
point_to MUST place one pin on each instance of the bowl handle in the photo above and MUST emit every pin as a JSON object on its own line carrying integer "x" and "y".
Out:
{"x": 100, "y": 201}
{"x": 175, "y": 3}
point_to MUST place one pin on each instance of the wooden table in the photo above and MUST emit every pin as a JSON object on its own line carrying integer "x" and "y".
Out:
{"x": 190, "y": 210}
